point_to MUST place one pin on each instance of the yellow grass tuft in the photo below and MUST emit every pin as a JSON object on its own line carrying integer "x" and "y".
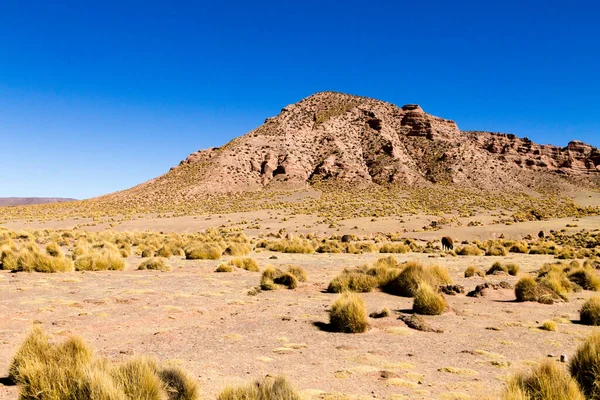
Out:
{"x": 269, "y": 388}
{"x": 547, "y": 381}
{"x": 428, "y": 301}
{"x": 348, "y": 314}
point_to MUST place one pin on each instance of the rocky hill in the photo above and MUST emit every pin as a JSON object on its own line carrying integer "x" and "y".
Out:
{"x": 336, "y": 137}
{"x": 25, "y": 201}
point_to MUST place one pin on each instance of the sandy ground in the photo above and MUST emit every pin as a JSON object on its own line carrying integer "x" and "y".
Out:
{"x": 207, "y": 323}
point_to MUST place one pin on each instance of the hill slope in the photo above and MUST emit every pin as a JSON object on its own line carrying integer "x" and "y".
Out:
{"x": 24, "y": 201}
{"x": 343, "y": 138}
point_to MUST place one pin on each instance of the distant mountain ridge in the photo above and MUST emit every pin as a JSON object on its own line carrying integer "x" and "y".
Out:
{"x": 25, "y": 201}
{"x": 335, "y": 137}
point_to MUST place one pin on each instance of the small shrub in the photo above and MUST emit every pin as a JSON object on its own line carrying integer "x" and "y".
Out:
{"x": 409, "y": 279}
{"x": 203, "y": 251}
{"x": 469, "y": 250}
{"x": 381, "y": 314}
{"x": 473, "y": 271}
{"x": 549, "y": 326}
{"x": 497, "y": 267}
{"x": 273, "y": 278}
{"x": 526, "y": 289}
{"x": 224, "y": 268}
{"x": 163, "y": 251}
{"x": 352, "y": 281}
{"x": 100, "y": 260}
{"x": 512, "y": 268}
{"x": 238, "y": 249}
{"x": 292, "y": 246}
{"x": 519, "y": 247}
{"x": 585, "y": 366}
{"x": 154, "y": 263}
{"x": 53, "y": 249}
{"x": 586, "y": 278}
{"x": 496, "y": 251}
{"x": 428, "y": 302}
{"x": 298, "y": 272}
{"x": 287, "y": 279}
{"x": 180, "y": 385}
{"x": 590, "y": 312}
{"x": 348, "y": 314}
{"x": 547, "y": 381}
{"x": 246, "y": 263}
{"x": 269, "y": 388}
{"x": 399, "y": 248}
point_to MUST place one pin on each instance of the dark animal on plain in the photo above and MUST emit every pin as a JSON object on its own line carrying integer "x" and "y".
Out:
{"x": 541, "y": 234}
{"x": 447, "y": 243}
{"x": 346, "y": 239}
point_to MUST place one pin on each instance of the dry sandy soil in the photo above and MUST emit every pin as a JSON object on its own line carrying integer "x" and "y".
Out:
{"x": 209, "y": 324}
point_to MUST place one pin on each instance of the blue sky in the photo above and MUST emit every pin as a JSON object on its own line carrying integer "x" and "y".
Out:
{"x": 98, "y": 96}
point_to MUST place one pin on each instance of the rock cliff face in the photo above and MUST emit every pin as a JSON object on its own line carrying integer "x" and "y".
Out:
{"x": 338, "y": 137}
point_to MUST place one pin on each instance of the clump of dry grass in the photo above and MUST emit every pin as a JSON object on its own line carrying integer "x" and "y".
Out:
{"x": 70, "y": 370}
{"x": 203, "y": 251}
{"x": 549, "y": 326}
{"x": 348, "y": 314}
{"x": 473, "y": 271}
{"x": 224, "y": 268}
{"x": 269, "y": 388}
{"x": 414, "y": 274}
{"x": 585, "y": 366}
{"x": 29, "y": 258}
{"x": 353, "y": 282}
{"x": 496, "y": 250}
{"x": 298, "y": 272}
{"x": 497, "y": 267}
{"x": 274, "y": 278}
{"x": 526, "y": 289}
{"x": 469, "y": 250}
{"x": 590, "y": 311}
{"x": 53, "y": 249}
{"x": 246, "y": 263}
{"x": 428, "y": 302}
{"x": 547, "y": 381}
{"x": 100, "y": 260}
{"x": 154, "y": 263}
{"x": 238, "y": 249}
{"x": 399, "y": 248}
{"x": 297, "y": 246}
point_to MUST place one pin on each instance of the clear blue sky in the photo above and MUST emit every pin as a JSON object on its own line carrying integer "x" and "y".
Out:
{"x": 97, "y": 96}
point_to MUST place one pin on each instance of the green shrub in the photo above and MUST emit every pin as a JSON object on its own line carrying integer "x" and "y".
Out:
{"x": 585, "y": 366}
{"x": 590, "y": 312}
{"x": 428, "y": 301}
{"x": 348, "y": 314}
{"x": 547, "y": 381}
